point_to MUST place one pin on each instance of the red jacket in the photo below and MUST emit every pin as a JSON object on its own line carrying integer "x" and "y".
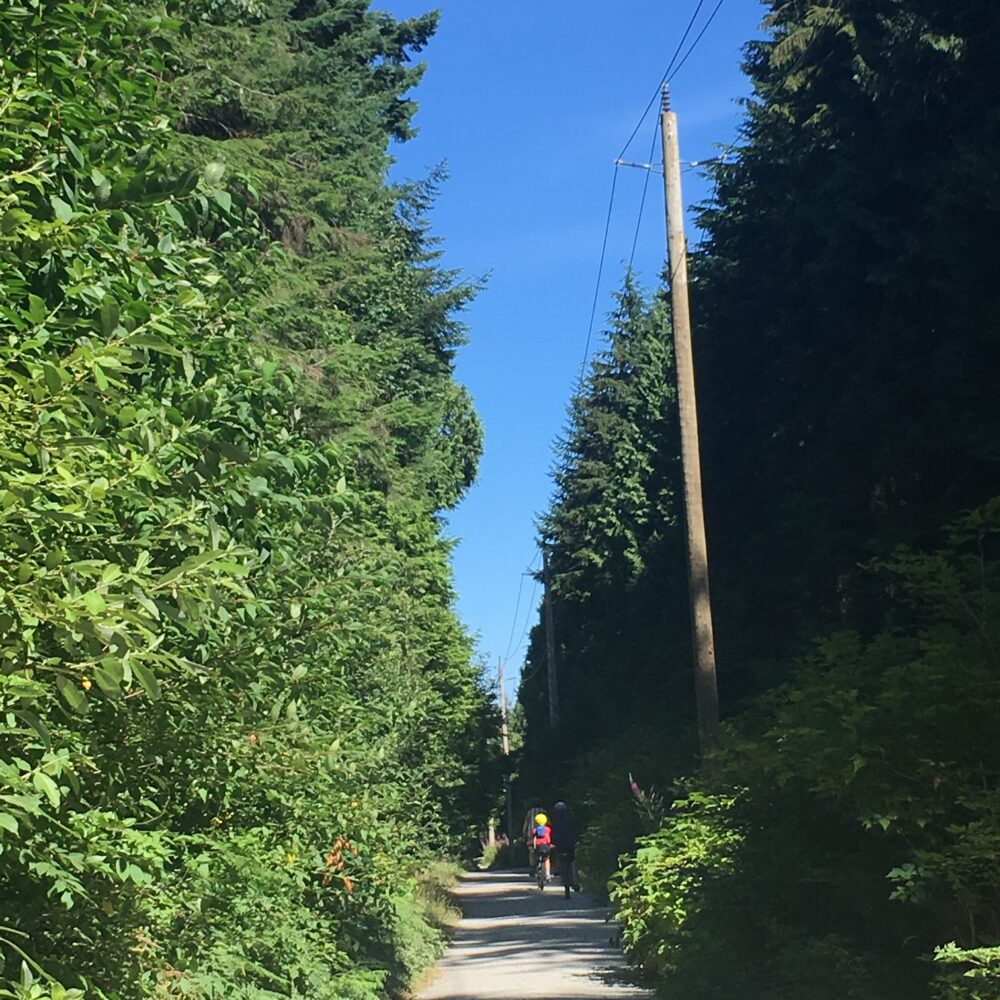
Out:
{"x": 545, "y": 840}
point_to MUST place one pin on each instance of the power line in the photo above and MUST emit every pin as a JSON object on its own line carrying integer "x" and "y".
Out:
{"x": 527, "y": 618}
{"x": 527, "y": 676}
{"x": 600, "y": 273}
{"x": 517, "y": 605}
{"x": 668, "y": 74}
{"x": 521, "y": 677}
{"x": 645, "y": 113}
{"x": 671, "y": 72}
{"x": 665, "y": 77}
{"x": 517, "y": 611}
{"x": 680, "y": 44}
{"x": 701, "y": 34}
{"x": 642, "y": 203}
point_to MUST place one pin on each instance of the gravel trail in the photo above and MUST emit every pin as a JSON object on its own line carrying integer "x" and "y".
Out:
{"x": 517, "y": 942}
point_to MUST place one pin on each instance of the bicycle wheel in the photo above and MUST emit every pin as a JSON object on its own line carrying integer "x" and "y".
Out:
{"x": 540, "y": 872}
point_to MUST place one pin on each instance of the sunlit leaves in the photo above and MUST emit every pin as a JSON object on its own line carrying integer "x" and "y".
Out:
{"x": 206, "y": 586}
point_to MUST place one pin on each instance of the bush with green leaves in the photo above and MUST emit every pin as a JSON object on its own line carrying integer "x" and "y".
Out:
{"x": 968, "y": 973}
{"x": 238, "y": 709}
{"x": 618, "y": 794}
{"x": 849, "y": 822}
{"x": 660, "y": 885}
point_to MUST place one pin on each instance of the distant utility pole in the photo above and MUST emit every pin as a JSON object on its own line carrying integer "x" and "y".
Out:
{"x": 503, "y": 709}
{"x": 706, "y": 688}
{"x": 506, "y": 751}
{"x": 550, "y": 645}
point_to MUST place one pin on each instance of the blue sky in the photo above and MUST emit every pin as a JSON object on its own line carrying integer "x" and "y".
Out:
{"x": 529, "y": 103}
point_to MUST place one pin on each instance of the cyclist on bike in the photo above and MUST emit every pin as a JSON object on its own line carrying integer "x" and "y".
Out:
{"x": 541, "y": 841}
{"x": 564, "y": 839}
{"x": 528, "y": 831}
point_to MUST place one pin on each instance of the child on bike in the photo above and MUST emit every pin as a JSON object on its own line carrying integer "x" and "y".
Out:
{"x": 528, "y": 833}
{"x": 541, "y": 841}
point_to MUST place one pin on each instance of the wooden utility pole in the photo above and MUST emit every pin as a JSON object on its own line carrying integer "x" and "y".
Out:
{"x": 508, "y": 792}
{"x": 706, "y": 688}
{"x": 550, "y": 645}
{"x": 503, "y": 710}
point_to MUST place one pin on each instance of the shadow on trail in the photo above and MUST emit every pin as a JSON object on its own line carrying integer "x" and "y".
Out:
{"x": 516, "y": 941}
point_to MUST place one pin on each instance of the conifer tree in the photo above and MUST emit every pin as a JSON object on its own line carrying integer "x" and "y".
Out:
{"x": 612, "y": 531}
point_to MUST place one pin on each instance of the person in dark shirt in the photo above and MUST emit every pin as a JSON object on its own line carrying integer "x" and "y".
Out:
{"x": 564, "y": 839}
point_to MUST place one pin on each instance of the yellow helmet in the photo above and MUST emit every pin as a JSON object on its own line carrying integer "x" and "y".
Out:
{"x": 541, "y": 819}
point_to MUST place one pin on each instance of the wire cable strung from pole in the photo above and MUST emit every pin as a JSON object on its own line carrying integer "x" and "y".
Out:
{"x": 517, "y": 612}
{"x": 527, "y": 619}
{"x": 642, "y": 203}
{"x": 670, "y": 72}
{"x": 645, "y": 113}
{"x": 694, "y": 44}
{"x": 664, "y": 78}
{"x": 680, "y": 44}
{"x": 600, "y": 275}
{"x": 667, "y": 78}
{"x": 517, "y": 606}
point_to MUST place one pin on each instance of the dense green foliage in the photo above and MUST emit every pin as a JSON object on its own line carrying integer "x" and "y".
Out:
{"x": 846, "y": 360}
{"x": 842, "y": 841}
{"x": 239, "y": 713}
{"x": 854, "y": 811}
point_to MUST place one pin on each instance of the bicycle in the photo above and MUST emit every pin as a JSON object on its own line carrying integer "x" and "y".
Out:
{"x": 567, "y": 868}
{"x": 541, "y": 854}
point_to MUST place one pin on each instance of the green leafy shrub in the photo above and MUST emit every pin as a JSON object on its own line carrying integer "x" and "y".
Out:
{"x": 660, "y": 886}
{"x": 846, "y": 829}
{"x": 237, "y": 711}
{"x": 496, "y": 856}
{"x": 618, "y": 793}
{"x": 972, "y": 973}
